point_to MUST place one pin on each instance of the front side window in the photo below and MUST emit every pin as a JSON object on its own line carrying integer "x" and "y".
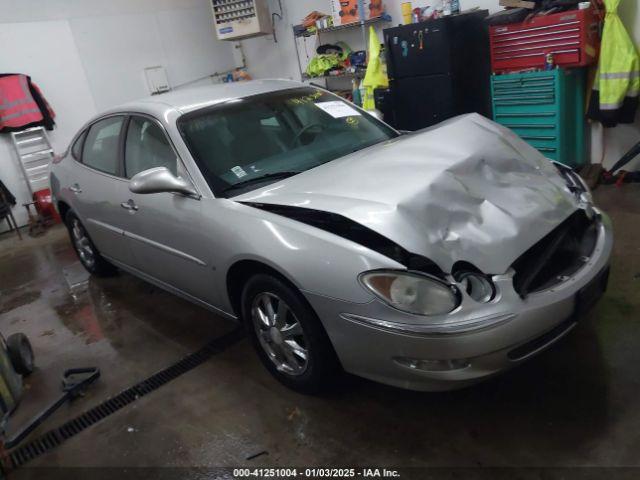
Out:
{"x": 147, "y": 147}
{"x": 101, "y": 146}
{"x": 246, "y": 143}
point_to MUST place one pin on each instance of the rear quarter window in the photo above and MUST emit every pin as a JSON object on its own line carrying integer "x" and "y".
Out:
{"x": 101, "y": 146}
{"x": 76, "y": 148}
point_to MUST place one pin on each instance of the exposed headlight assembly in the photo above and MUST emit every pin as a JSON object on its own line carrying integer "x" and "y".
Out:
{"x": 575, "y": 183}
{"x": 412, "y": 292}
{"x": 585, "y": 192}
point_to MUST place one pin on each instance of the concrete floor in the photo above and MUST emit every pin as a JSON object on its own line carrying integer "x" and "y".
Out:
{"x": 575, "y": 405}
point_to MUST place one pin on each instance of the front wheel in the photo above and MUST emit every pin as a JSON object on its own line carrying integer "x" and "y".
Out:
{"x": 287, "y": 334}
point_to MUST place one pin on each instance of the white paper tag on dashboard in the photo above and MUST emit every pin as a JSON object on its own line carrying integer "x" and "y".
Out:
{"x": 239, "y": 171}
{"x": 338, "y": 109}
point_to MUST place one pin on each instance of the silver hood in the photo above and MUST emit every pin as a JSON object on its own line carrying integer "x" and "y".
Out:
{"x": 467, "y": 189}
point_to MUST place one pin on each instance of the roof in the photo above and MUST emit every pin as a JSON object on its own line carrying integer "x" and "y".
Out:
{"x": 190, "y": 99}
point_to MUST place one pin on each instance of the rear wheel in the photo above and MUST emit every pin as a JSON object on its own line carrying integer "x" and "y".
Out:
{"x": 287, "y": 334}
{"x": 87, "y": 252}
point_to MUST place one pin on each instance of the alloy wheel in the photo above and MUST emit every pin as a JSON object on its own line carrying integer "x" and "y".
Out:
{"x": 83, "y": 244}
{"x": 280, "y": 334}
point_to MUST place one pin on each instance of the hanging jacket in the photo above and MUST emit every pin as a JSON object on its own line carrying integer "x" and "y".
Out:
{"x": 22, "y": 104}
{"x": 615, "y": 92}
{"x": 7, "y": 200}
{"x": 376, "y": 75}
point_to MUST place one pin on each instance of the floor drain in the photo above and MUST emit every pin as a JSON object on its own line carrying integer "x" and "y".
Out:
{"x": 50, "y": 440}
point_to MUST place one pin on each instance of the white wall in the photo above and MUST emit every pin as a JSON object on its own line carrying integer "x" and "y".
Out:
{"x": 265, "y": 61}
{"x": 88, "y": 55}
{"x": 62, "y": 79}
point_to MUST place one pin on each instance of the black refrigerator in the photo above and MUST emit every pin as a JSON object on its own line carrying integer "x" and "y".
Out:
{"x": 438, "y": 69}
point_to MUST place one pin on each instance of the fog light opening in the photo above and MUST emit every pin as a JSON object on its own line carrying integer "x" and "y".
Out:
{"x": 433, "y": 365}
{"x": 478, "y": 286}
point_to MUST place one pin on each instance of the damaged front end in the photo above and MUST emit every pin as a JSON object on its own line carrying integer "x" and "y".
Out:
{"x": 424, "y": 289}
{"x": 563, "y": 251}
{"x": 557, "y": 256}
{"x": 550, "y": 261}
{"x": 479, "y": 226}
{"x": 428, "y": 195}
{"x": 502, "y": 250}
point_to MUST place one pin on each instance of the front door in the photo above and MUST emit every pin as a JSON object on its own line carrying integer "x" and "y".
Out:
{"x": 164, "y": 229}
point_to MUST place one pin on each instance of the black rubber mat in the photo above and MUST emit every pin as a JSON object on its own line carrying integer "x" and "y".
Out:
{"x": 50, "y": 440}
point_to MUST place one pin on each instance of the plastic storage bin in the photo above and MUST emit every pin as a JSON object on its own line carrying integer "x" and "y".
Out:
{"x": 546, "y": 109}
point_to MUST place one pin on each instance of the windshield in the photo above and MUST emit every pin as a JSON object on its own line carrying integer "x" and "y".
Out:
{"x": 247, "y": 143}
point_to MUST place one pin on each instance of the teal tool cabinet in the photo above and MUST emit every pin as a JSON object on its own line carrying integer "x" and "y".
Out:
{"x": 546, "y": 109}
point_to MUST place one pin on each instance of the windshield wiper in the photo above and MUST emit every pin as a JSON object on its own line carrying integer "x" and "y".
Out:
{"x": 262, "y": 178}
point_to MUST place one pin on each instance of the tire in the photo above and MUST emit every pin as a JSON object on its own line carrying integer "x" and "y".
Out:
{"x": 87, "y": 252}
{"x": 298, "y": 330}
{"x": 20, "y": 353}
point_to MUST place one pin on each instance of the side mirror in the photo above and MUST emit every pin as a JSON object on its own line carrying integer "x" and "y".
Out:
{"x": 159, "y": 180}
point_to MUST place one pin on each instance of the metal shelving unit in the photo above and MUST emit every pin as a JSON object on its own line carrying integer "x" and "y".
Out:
{"x": 363, "y": 24}
{"x": 341, "y": 75}
{"x": 337, "y": 28}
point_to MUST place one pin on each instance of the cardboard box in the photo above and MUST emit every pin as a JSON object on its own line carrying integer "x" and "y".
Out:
{"x": 345, "y": 12}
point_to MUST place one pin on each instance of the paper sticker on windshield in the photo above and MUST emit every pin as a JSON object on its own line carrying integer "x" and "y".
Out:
{"x": 338, "y": 109}
{"x": 239, "y": 172}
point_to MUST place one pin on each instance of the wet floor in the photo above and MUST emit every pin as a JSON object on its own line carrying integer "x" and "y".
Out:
{"x": 575, "y": 405}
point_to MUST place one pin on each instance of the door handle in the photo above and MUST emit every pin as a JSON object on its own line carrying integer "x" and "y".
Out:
{"x": 129, "y": 205}
{"x": 75, "y": 188}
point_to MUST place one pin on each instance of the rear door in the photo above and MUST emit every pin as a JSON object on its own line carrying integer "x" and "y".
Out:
{"x": 97, "y": 187}
{"x": 165, "y": 232}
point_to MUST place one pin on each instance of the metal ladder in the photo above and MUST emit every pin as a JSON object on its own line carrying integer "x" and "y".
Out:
{"x": 35, "y": 155}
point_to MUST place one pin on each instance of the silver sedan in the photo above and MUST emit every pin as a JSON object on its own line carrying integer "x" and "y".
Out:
{"x": 429, "y": 260}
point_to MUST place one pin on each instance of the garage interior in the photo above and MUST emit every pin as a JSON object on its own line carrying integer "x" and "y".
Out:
{"x": 570, "y": 412}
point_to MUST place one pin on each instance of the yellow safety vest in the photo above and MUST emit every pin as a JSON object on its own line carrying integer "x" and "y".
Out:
{"x": 376, "y": 75}
{"x": 617, "y": 80}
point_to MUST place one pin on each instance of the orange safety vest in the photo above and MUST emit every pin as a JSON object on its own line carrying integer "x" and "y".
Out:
{"x": 17, "y": 106}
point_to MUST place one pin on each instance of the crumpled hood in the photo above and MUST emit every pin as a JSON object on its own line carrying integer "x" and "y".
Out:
{"x": 467, "y": 189}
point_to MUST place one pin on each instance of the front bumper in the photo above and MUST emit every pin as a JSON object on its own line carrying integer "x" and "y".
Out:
{"x": 368, "y": 338}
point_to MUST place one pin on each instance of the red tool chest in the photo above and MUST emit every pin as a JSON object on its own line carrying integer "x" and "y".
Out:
{"x": 572, "y": 37}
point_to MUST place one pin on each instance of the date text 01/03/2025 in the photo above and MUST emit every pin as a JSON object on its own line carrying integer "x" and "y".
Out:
{"x": 315, "y": 473}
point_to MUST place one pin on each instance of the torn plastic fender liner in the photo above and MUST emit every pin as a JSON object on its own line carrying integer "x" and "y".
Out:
{"x": 350, "y": 230}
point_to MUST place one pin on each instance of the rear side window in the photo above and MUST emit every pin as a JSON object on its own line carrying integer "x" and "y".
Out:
{"x": 76, "y": 149}
{"x": 101, "y": 146}
{"x": 147, "y": 147}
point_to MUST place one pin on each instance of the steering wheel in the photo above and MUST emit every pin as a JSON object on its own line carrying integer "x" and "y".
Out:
{"x": 304, "y": 129}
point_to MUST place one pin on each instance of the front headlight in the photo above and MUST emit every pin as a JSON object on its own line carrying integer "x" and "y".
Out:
{"x": 412, "y": 292}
